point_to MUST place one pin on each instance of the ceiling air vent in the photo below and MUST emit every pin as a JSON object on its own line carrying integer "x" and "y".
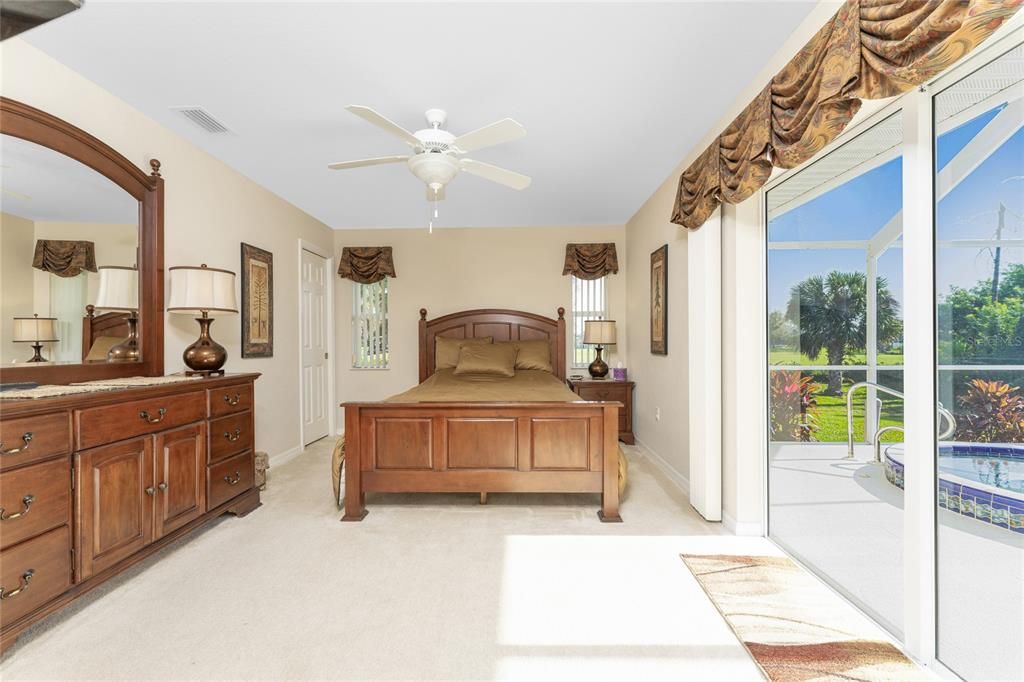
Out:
{"x": 202, "y": 118}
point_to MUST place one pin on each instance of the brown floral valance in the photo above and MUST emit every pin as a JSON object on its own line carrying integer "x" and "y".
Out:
{"x": 366, "y": 264}
{"x": 871, "y": 49}
{"x": 64, "y": 258}
{"x": 590, "y": 261}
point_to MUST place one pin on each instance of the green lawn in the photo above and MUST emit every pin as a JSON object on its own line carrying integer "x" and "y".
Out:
{"x": 791, "y": 357}
{"x": 832, "y": 418}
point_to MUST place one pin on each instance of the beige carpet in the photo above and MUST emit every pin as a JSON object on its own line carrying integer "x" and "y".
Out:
{"x": 796, "y": 628}
{"x": 426, "y": 588}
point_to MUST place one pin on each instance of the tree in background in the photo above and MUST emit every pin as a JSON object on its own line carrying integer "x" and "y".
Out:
{"x": 831, "y": 314}
{"x": 976, "y": 327}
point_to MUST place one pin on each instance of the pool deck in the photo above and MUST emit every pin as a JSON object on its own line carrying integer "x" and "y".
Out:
{"x": 843, "y": 519}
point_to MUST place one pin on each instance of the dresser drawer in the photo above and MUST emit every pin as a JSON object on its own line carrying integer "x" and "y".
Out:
{"x": 230, "y": 399}
{"x": 34, "y": 572}
{"x": 608, "y": 393}
{"x": 230, "y": 435}
{"x": 100, "y": 425}
{"x": 229, "y": 478}
{"x": 34, "y": 499}
{"x": 29, "y": 439}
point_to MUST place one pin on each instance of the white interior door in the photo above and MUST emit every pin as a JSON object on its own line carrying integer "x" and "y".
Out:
{"x": 313, "y": 326}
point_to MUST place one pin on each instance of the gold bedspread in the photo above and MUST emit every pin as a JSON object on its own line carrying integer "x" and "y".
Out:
{"x": 528, "y": 385}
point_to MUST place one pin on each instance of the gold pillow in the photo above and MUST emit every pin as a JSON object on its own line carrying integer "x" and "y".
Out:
{"x": 535, "y": 354}
{"x": 446, "y": 351}
{"x": 100, "y": 347}
{"x": 491, "y": 359}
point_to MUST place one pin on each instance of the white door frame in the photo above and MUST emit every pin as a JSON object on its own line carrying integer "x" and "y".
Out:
{"x": 329, "y": 321}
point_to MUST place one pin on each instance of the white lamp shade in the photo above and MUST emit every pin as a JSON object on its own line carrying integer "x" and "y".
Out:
{"x": 600, "y": 332}
{"x": 34, "y": 330}
{"x": 119, "y": 288}
{"x": 202, "y": 289}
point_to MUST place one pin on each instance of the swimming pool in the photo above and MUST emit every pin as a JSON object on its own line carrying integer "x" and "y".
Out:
{"x": 984, "y": 481}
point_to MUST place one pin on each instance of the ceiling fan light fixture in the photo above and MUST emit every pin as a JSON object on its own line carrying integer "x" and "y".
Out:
{"x": 434, "y": 169}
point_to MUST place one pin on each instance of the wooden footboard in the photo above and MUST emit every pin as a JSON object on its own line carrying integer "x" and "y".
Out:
{"x": 481, "y": 447}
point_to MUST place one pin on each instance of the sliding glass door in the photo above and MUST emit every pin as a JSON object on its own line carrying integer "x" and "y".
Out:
{"x": 895, "y": 320}
{"x": 979, "y": 297}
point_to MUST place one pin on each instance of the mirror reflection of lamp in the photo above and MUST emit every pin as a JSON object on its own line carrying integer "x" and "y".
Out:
{"x": 119, "y": 290}
{"x": 201, "y": 290}
{"x": 36, "y": 331}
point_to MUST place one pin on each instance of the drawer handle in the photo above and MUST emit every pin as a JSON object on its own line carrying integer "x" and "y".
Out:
{"x": 26, "y": 503}
{"x": 154, "y": 420}
{"x": 232, "y": 437}
{"x": 25, "y": 578}
{"x": 26, "y": 437}
{"x": 233, "y": 400}
{"x": 235, "y": 480}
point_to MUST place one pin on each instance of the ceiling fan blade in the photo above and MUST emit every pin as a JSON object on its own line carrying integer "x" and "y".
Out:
{"x": 495, "y": 174}
{"x": 359, "y": 163}
{"x": 368, "y": 114}
{"x": 504, "y": 130}
{"x": 438, "y": 197}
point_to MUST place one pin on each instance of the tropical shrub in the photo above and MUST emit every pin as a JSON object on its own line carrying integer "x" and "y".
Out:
{"x": 991, "y": 412}
{"x": 793, "y": 409}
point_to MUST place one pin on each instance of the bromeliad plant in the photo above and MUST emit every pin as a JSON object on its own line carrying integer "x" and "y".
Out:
{"x": 991, "y": 412}
{"x": 793, "y": 410}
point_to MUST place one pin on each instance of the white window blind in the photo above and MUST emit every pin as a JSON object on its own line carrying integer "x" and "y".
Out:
{"x": 589, "y": 302}
{"x": 370, "y": 325}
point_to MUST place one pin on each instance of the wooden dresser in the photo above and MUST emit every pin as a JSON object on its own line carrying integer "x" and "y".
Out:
{"x": 609, "y": 389}
{"x": 92, "y": 483}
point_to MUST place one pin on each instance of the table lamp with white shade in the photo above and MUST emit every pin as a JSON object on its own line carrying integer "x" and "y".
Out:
{"x": 599, "y": 333}
{"x": 203, "y": 290}
{"x": 119, "y": 290}
{"x": 36, "y": 331}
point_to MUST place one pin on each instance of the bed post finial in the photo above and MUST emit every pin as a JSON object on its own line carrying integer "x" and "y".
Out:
{"x": 561, "y": 313}
{"x": 423, "y": 313}
{"x": 90, "y": 310}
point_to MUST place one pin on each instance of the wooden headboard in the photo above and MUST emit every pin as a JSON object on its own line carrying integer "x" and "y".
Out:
{"x": 503, "y": 325}
{"x": 104, "y": 324}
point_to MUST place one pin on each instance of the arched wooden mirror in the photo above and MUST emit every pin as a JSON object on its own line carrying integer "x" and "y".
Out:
{"x": 81, "y": 255}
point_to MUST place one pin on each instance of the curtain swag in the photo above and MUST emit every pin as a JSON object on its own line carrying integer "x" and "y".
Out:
{"x": 366, "y": 264}
{"x": 871, "y": 49}
{"x": 64, "y": 258}
{"x": 590, "y": 261}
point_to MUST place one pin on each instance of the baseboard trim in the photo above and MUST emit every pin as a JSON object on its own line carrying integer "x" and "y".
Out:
{"x": 673, "y": 474}
{"x": 286, "y": 456}
{"x": 745, "y": 528}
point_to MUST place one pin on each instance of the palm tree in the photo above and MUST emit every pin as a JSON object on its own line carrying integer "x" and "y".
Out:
{"x": 831, "y": 314}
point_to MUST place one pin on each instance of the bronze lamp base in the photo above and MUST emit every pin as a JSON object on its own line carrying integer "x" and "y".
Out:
{"x": 205, "y": 356}
{"x": 598, "y": 368}
{"x": 127, "y": 350}
{"x": 38, "y": 356}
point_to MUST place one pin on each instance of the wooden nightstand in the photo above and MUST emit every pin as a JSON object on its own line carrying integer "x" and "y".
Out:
{"x": 607, "y": 389}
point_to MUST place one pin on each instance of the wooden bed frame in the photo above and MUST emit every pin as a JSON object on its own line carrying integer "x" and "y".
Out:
{"x": 569, "y": 447}
{"x": 104, "y": 324}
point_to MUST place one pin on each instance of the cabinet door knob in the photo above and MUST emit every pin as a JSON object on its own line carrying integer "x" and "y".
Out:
{"x": 154, "y": 420}
{"x": 162, "y": 487}
{"x": 26, "y": 504}
{"x": 235, "y": 480}
{"x": 150, "y": 490}
{"x": 233, "y": 400}
{"x": 26, "y": 438}
{"x": 25, "y": 578}
{"x": 233, "y": 437}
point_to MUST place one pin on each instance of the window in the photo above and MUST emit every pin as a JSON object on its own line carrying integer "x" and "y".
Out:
{"x": 589, "y": 302}
{"x": 67, "y": 301}
{"x": 370, "y": 325}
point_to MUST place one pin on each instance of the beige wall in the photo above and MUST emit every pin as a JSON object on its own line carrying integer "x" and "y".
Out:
{"x": 460, "y": 269}
{"x": 209, "y": 209}
{"x": 17, "y": 244}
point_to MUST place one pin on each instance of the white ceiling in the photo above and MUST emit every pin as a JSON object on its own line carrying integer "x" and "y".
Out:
{"x": 42, "y": 185}
{"x": 612, "y": 95}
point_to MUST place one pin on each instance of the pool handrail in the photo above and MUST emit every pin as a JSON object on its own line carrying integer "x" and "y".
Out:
{"x": 943, "y": 412}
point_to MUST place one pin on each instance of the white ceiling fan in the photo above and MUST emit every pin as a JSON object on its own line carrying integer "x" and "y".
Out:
{"x": 438, "y": 155}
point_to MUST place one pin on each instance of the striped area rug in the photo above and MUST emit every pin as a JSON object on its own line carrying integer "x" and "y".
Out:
{"x": 795, "y": 628}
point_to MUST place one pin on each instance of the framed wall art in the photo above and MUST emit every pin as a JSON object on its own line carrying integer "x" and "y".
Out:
{"x": 659, "y": 301}
{"x": 257, "y": 302}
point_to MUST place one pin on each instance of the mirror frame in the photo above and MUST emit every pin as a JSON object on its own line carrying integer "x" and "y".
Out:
{"x": 28, "y": 123}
